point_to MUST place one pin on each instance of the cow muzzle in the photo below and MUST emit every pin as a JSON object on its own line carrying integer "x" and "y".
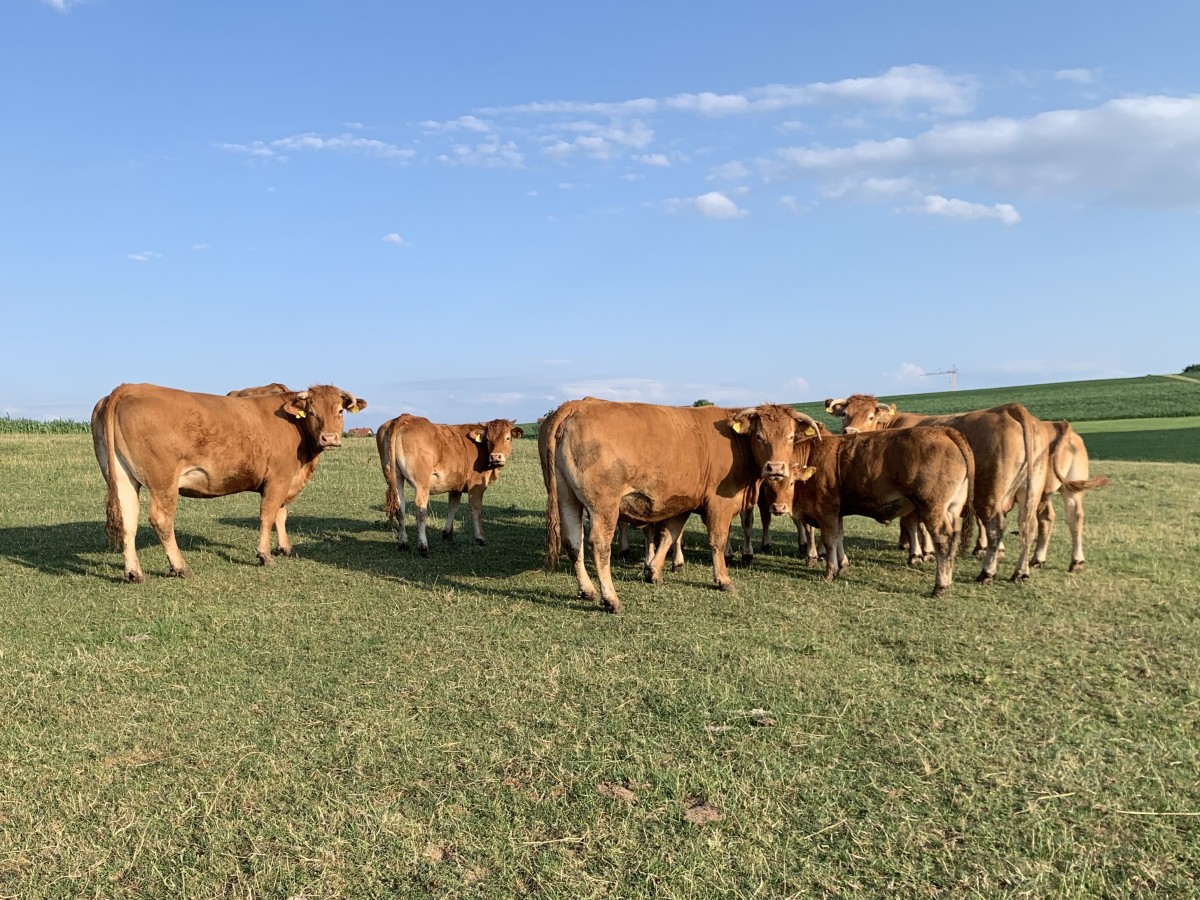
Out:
{"x": 496, "y": 461}
{"x": 781, "y": 509}
{"x": 329, "y": 439}
{"x": 774, "y": 471}
{"x": 849, "y": 431}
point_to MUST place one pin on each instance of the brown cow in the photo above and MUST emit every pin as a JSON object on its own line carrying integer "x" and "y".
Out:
{"x": 264, "y": 390}
{"x": 646, "y": 464}
{"x": 928, "y": 472}
{"x": 1010, "y": 464}
{"x": 1067, "y": 475}
{"x": 652, "y": 534}
{"x": 177, "y": 443}
{"x": 439, "y": 459}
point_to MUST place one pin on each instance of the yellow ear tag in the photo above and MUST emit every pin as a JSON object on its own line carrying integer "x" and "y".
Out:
{"x": 809, "y": 431}
{"x": 806, "y": 473}
{"x": 737, "y": 427}
{"x": 300, "y": 414}
{"x": 477, "y": 438}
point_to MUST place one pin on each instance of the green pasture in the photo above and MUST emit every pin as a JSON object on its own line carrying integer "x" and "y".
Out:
{"x": 358, "y": 722}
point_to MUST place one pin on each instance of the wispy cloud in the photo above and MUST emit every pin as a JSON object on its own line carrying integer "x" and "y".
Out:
{"x": 312, "y": 142}
{"x": 144, "y": 256}
{"x": 393, "y": 238}
{"x": 936, "y": 205}
{"x": 715, "y": 205}
{"x": 63, "y": 5}
{"x": 1132, "y": 151}
{"x": 486, "y": 154}
{"x": 1079, "y": 76}
{"x": 201, "y": 246}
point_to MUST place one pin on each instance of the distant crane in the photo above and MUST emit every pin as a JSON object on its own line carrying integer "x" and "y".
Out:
{"x": 952, "y": 372}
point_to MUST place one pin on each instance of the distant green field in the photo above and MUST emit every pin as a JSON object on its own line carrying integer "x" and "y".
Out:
{"x": 1153, "y": 396}
{"x": 1143, "y": 440}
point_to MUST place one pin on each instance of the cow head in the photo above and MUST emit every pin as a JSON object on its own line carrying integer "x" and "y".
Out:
{"x": 318, "y": 412}
{"x": 861, "y": 412}
{"x": 779, "y": 494}
{"x": 495, "y": 438}
{"x": 774, "y": 433}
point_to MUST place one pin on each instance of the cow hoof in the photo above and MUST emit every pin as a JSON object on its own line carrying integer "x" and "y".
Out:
{"x": 650, "y": 577}
{"x": 480, "y": 542}
{"x": 978, "y": 551}
{"x": 135, "y": 577}
{"x": 915, "y": 561}
{"x": 1019, "y": 577}
{"x": 447, "y": 535}
{"x": 939, "y": 590}
{"x": 402, "y": 548}
{"x": 1036, "y": 563}
{"x": 286, "y": 551}
{"x": 623, "y": 555}
{"x": 264, "y": 559}
{"x": 726, "y": 587}
{"x": 1076, "y": 566}
{"x": 185, "y": 572}
{"x": 676, "y": 567}
{"x": 423, "y": 549}
{"x": 984, "y": 578}
{"x": 587, "y": 595}
{"x": 747, "y": 560}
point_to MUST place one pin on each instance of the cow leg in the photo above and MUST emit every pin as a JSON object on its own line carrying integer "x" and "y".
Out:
{"x": 993, "y": 525}
{"x": 945, "y": 543}
{"x": 1045, "y": 520}
{"x": 127, "y": 497}
{"x": 718, "y": 538}
{"x": 421, "y": 502}
{"x": 910, "y": 525}
{"x": 162, "y": 520}
{"x": 1073, "y": 508}
{"x": 475, "y": 500}
{"x": 677, "y": 559}
{"x": 831, "y": 537}
{"x": 670, "y": 533}
{"x": 764, "y": 515}
{"x": 604, "y": 526}
{"x": 747, "y": 536}
{"x": 281, "y": 535}
{"x": 452, "y": 504}
{"x": 623, "y": 543}
{"x": 1025, "y": 542}
{"x": 570, "y": 514}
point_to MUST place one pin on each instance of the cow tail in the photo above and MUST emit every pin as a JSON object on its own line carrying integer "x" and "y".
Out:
{"x": 967, "y": 531}
{"x": 114, "y": 523}
{"x": 553, "y": 521}
{"x": 1087, "y": 484}
{"x": 391, "y": 500}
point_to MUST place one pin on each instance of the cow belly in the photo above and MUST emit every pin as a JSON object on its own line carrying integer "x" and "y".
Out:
{"x": 200, "y": 482}
{"x": 644, "y": 509}
{"x": 878, "y": 509}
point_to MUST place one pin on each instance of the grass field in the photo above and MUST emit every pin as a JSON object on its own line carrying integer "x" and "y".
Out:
{"x": 362, "y": 723}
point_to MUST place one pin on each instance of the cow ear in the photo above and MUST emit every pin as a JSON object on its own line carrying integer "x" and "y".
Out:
{"x": 476, "y": 436}
{"x": 358, "y": 405}
{"x": 518, "y": 432}
{"x": 294, "y": 409}
{"x": 891, "y": 409}
{"x": 835, "y": 407}
{"x": 742, "y": 422}
{"x": 806, "y": 473}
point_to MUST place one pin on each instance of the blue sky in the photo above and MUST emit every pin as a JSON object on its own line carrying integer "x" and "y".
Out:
{"x": 479, "y": 210}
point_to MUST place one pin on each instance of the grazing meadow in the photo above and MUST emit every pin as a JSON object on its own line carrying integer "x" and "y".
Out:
{"x": 360, "y": 722}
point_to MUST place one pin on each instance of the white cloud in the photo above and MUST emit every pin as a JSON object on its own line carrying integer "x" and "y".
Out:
{"x": 1079, "y": 76}
{"x": 393, "y": 238}
{"x": 907, "y": 372}
{"x": 629, "y": 390}
{"x": 936, "y": 205}
{"x": 144, "y": 256}
{"x": 467, "y": 123}
{"x": 642, "y": 106}
{"x": 870, "y": 188}
{"x": 715, "y": 205}
{"x": 488, "y": 155}
{"x": 311, "y": 141}
{"x": 798, "y": 384}
{"x": 898, "y": 88}
{"x": 1138, "y": 151}
{"x": 730, "y": 171}
{"x": 62, "y": 5}
{"x": 201, "y": 246}
{"x": 789, "y": 201}
{"x": 653, "y": 159}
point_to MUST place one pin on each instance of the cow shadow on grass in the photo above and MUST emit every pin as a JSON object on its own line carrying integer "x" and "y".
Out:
{"x": 82, "y": 548}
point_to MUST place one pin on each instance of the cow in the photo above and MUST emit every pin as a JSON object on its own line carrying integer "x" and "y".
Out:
{"x": 648, "y": 464}
{"x": 182, "y": 444}
{"x": 652, "y": 535}
{"x": 264, "y": 390}
{"x": 926, "y": 472}
{"x": 1067, "y": 475}
{"x": 1010, "y": 465}
{"x": 439, "y": 459}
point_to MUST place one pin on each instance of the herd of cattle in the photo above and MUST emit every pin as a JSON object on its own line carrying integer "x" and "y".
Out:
{"x": 607, "y": 465}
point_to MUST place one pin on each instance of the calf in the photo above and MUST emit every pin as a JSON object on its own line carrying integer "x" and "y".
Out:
{"x": 440, "y": 459}
{"x": 1067, "y": 475}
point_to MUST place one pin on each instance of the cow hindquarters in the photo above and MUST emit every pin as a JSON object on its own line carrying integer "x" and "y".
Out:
{"x": 163, "y": 504}
{"x": 568, "y": 530}
{"x": 123, "y": 509}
